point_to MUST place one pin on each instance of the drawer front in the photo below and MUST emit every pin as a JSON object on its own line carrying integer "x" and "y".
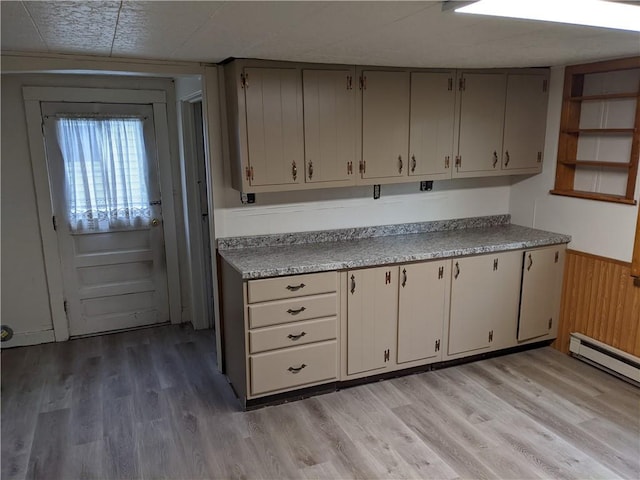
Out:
{"x": 285, "y": 311}
{"x": 292, "y": 334}
{"x": 293, "y": 367}
{"x": 291, "y": 287}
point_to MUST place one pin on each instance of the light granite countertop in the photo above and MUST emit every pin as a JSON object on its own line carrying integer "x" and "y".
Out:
{"x": 289, "y": 259}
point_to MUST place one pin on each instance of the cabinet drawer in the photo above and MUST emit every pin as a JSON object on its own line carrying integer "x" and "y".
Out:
{"x": 291, "y": 287}
{"x": 285, "y": 311}
{"x": 292, "y": 334}
{"x": 293, "y": 367}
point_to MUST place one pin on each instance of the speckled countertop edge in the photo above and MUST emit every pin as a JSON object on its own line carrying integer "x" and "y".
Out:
{"x": 348, "y": 234}
{"x": 273, "y": 261}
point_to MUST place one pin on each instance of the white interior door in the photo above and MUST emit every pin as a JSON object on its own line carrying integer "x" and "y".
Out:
{"x": 103, "y": 168}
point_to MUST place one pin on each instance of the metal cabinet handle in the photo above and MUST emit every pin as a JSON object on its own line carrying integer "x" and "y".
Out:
{"x": 457, "y": 272}
{"x": 400, "y": 164}
{"x": 413, "y": 163}
{"x": 296, "y": 337}
{"x": 310, "y": 170}
{"x": 295, "y": 288}
{"x": 495, "y": 159}
{"x": 353, "y": 284}
{"x": 506, "y": 158}
{"x": 296, "y": 312}
{"x": 404, "y": 277}
{"x": 296, "y": 369}
{"x": 530, "y": 263}
{"x": 294, "y": 170}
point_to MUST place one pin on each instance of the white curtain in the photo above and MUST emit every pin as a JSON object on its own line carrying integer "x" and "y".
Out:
{"x": 106, "y": 172}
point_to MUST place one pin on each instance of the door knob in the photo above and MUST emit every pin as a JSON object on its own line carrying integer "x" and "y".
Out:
{"x": 155, "y": 222}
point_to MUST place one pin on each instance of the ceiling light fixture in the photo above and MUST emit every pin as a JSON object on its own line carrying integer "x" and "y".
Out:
{"x": 595, "y": 13}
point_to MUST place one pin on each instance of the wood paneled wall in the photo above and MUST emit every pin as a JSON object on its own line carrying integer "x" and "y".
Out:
{"x": 599, "y": 300}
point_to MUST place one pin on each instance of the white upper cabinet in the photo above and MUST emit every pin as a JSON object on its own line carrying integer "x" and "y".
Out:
{"x": 274, "y": 126}
{"x": 385, "y": 124}
{"x": 525, "y": 123}
{"x": 432, "y": 119}
{"x": 482, "y": 100}
{"x": 329, "y": 125}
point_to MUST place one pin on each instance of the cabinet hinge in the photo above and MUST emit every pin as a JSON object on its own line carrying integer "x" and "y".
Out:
{"x": 495, "y": 265}
{"x": 440, "y": 272}
{"x": 539, "y": 157}
{"x": 349, "y": 82}
{"x": 557, "y": 257}
{"x": 446, "y": 161}
{"x": 450, "y": 84}
{"x": 550, "y": 323}
{"x": 363, "y": 82}
{"x": 363, "y": 166}
{"x": 462, "y": 84}
{"x": 349, "y": 168}
{"x": 387, "y": 354}
{"x": 437, "y": 345}
{"x": 249, "y": 173}
{"x": 458, "y": 161}
{"x": 387, "y": 278}
{"x": 490, "y": 336}
{"x": 244, "y": 80}
{"x": 545, "y": 84}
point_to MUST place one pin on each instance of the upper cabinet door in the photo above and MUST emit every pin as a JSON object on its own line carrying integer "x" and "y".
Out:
{"x": 432, "y": 124}
{"x": 329, "y": 125}
{"x": 525, "y": 122}
{"x": 482, "y": 102}
{"x": 275, "y": 142}
{"x": 385, "y": 124}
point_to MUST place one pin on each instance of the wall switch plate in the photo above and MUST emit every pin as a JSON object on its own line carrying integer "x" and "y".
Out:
{"x": 248, "y": 198}
{"x": 426, "y": 186}
{"x": 376, "y": 192}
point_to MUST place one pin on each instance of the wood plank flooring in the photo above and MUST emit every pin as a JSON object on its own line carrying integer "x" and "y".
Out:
{"x": 150, "y": 404}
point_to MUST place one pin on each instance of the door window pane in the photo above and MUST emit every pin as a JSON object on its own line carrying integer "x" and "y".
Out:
{"x": 106, "y": 173}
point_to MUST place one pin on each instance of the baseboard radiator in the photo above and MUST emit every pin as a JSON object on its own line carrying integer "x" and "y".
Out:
{"x": 605, "y": 357}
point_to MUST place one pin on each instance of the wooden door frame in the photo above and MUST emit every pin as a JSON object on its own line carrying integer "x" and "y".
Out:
{"x": 32, "y": 97}
{"x": 635, "y": 262}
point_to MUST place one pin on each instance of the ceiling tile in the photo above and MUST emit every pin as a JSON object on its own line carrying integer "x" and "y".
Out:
{"x": 157, "y": 29}
{"x": 18, "y": 30}
{"x": 76, "y": 26}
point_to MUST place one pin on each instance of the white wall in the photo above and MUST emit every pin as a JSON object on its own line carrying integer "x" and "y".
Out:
{"x": 599, "y": 228}
{"x": 25, "y": 301}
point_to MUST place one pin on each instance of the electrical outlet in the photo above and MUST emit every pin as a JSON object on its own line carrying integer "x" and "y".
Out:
{"x": 376, "y": 192}
{"x": 426, "y": 186}
{"x": 246, "y": 198}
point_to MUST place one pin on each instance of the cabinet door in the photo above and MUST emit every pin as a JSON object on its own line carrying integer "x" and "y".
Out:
{"x": 372, "y": 314}
{"x": 525, "y": 122}
{"x": 481, "y": 123}
{"x": 385, "y": 124}
{"x": 422, "y": 307}
{"x": 541, "y": 290}
{"x": 329, "y": 125}
{"x": 431, "y": 124}
{"x": 273, "y": 99}
{"x": 484, "y": 302}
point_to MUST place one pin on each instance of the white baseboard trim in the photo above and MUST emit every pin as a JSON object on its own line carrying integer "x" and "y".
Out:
{"x": 29, "y": 338}
{"x": 606, "y": 357}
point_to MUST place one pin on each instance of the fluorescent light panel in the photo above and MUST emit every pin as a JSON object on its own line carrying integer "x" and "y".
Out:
{"x": 594, "y": 13}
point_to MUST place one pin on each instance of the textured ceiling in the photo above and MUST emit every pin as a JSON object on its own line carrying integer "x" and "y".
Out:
{"x": 377, "y": 33}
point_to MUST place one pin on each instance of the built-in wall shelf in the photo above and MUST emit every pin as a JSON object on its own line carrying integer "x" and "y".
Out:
{"x": 604, "y": 96}
{"x": 607, "y": 197}
{"x": 597, "y": 163}
{"x": 600, "y": 131}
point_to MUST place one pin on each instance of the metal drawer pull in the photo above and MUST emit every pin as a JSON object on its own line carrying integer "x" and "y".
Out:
{"x": 295, "y": 312}
{"x": 295, "y": 288}
{"x": 296, "y": 337}
{"x": 506, "y": 158}
{"x": 353, "y": 284}
{"x": 413, "y": 163}
{"x": 404, "y": 277}
{"x": 296, "y": 369}
{"x": 495, "y": 159}
{"x": 457, "y": 272}
{"x": 400, "y": 164}
{"x": 530, "y": 263}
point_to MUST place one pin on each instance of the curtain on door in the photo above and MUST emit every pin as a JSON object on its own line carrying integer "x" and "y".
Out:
{"x": 106, "y": 174}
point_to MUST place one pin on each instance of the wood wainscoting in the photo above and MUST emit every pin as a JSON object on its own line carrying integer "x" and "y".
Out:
{"x": 599, "y": 300}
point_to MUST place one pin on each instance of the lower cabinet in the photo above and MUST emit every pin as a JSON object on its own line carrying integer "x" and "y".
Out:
{"x": 541, "y": 291}
{"x": 485, "y": 293}
{"x": 372, "y": 315}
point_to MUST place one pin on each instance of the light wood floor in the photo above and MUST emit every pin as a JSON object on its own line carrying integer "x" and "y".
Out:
{"x": 149, "y": 404}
